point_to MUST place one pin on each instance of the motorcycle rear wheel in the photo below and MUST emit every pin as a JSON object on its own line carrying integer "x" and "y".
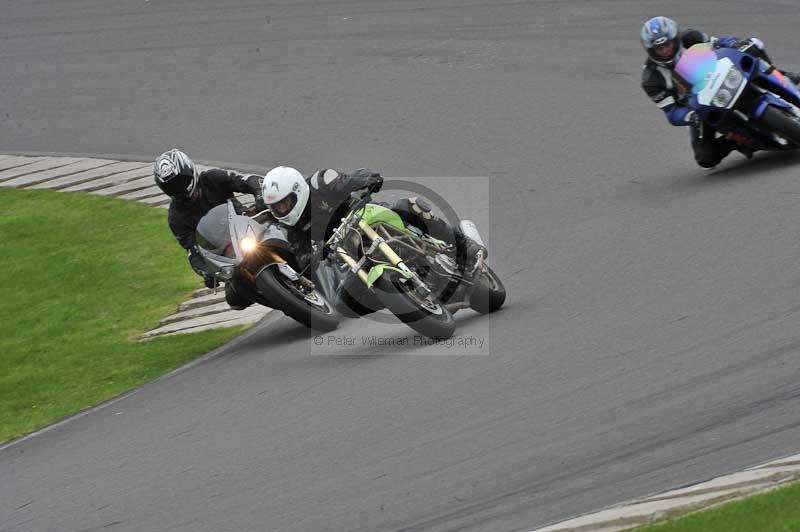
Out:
{"x": 489, "y": 293}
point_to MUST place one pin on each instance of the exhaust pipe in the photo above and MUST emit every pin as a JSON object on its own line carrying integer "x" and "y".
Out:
{"x": 469, "y": 229}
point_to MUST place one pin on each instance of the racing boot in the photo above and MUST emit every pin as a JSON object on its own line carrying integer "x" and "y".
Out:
{"x": 794, "y": 77}
{"x": 469, "y": 253}
{"x": 235, "y": 300}
{"x": 740, "y": 144}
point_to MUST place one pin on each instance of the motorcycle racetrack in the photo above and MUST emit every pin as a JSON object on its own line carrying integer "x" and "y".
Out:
{"x": 649, "y": 340}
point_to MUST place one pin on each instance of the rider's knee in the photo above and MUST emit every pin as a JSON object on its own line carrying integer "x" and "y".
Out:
{"x": 421, "y": 208}
{"x": 234, "y": 299}
{"x": 711, "y": 156}
{"x": 706, "y": 159}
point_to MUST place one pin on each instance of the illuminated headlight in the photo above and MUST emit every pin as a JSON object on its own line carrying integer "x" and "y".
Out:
{"x": 248, "y": 244}
{"x": 733, "y": 79}
{"x": 722, "y": 98}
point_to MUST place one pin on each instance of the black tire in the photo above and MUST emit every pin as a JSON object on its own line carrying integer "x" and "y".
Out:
{"x": 776, "y": 120}
{"x": 489, "y": 293}
{"x": 354, "y": 299}
{"x": 278, "y": 290}
{"x": 437, "y": 323}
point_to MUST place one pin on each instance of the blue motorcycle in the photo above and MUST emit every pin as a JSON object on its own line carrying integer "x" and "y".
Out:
{"x": 742, "y": 96}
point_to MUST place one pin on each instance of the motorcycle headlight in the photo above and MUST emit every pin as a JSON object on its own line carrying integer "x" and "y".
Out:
{"x": 722, "y": 98}
{"x": 248, "y": 244}
{"x": 226, "y": 272}
{"x": 733, "y": 79}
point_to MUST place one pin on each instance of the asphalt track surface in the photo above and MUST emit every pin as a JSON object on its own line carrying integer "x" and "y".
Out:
{"x": 651, "y": 334}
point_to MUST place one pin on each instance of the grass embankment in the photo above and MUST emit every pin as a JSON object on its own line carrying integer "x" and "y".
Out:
{"x": 82, "y": 277}
{"x": 774, "y": 511}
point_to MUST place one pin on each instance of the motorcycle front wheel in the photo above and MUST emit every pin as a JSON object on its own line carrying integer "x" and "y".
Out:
{"x": 785, "y": 125}
{"x": 427, "y": 316}
{"x": 310, "y": 309}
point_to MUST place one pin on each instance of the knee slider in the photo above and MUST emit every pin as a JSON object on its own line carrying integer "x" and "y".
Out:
{"x": 420, "y": 207}
{"x": 707, "y": 158}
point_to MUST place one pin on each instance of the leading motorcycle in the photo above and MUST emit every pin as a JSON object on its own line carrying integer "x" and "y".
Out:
{"x": 742, "y": 96}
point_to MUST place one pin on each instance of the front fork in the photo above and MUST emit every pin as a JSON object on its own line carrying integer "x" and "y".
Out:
{"x": 377, "y": 242}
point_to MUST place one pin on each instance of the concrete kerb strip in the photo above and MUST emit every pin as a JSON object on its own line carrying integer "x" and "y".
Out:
{"x": 227, "y": 318}
{"x": 685, "y": 500}
{"x": 84, "y": 177}
{"x": 45, "y": 163}
{"x": 202, "y": 301}
{"x": 125, "y": 188}
{"x": 16, "y": 162}
{"x": 197, "y": 312}
{"x": 41, "y": 178}
{"x": 133, "y": 181}
{"x": 95, "y": 185}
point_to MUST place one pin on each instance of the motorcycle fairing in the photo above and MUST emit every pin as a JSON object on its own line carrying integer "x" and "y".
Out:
{"x": 212, "y": 231}
{"x": 705, "y": 68}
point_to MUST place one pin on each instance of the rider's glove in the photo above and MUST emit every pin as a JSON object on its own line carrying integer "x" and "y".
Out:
{"x": 259, "y": 203}
{"x": 372, "y": 179}
{"x": 197, "y": 263}
{"x": 374, "y": 182}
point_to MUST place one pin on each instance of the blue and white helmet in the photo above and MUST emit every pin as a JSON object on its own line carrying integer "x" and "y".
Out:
{"x": 175, "y": 174}
{"x": 286, "y": 193}
{"x": 661, "y": 40}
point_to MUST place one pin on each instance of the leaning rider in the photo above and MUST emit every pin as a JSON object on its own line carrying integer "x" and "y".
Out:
{"x": 193, "y": 195}
{"x": 664, "y": 44}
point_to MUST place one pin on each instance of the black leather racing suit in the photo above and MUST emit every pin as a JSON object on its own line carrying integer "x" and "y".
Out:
{"x": 670, "y": 93}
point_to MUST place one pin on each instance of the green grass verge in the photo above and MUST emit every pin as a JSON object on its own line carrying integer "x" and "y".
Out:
{"x": 774, "y": 511}
{"x": 83, "y": 276}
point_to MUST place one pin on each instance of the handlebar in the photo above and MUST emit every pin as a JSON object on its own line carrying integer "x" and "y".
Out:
{"x": 359, "y": 198}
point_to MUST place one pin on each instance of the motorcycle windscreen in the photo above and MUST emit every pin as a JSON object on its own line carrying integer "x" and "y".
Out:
{"x": 212, "y": 232}
{"x": 696, "y": 66}
{"x": 275, "y": 236}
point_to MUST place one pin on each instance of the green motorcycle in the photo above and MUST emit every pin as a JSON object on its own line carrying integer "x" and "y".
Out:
{"x": 384, "y": 263}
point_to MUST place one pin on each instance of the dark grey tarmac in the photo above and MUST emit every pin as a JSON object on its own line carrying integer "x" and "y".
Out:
{"x": 650, "y": 337}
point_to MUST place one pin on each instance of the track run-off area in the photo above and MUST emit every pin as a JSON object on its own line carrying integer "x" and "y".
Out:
{"x": 650, "y": 338}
